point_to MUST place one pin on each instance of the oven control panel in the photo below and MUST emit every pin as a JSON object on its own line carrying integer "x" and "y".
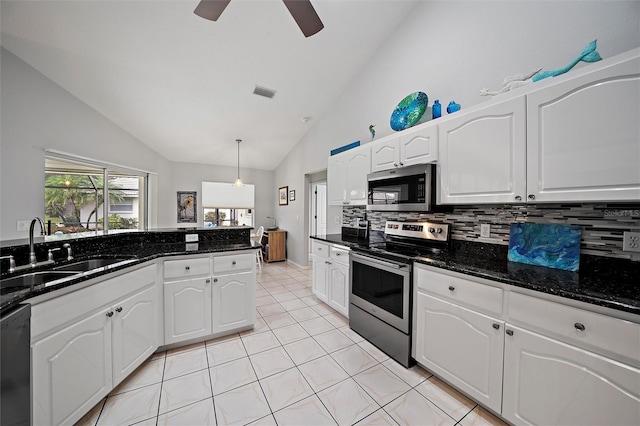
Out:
{"x": 424, "y": 230}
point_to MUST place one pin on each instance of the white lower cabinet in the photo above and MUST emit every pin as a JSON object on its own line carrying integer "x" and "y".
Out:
{"x": 462, "y": 346}
{"x": 187, "y": 309}
{"x": 331, "y": 275}
{"x": 82, "y": 352}
{"x": 547, "y": 382}
{"x": 71, "y": 370}
{"x": 221, "y": 300}
{"x": 233, "y": 301}
{"x": 533, "y": 360}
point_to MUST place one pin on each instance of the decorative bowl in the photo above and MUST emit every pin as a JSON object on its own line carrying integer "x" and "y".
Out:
{"x": 409, "y": 111}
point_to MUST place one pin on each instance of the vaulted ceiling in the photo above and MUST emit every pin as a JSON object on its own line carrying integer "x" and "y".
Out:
{"x": 184, "y": 85}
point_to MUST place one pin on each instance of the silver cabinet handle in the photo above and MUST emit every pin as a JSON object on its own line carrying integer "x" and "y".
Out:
{"x": 395, "y": 164}
{"x": 509, "y": 332}
{"x": 233, "y": 263}
{"x": 579, "y": 326}
{"x": 451, "y": 288}
{"x": 532, "y": 197}
{"x": 401, "y": 163}
{"x": 496, "y": 326}
{"x": 119, "y": 309}
{"x": 110, "y": 314}
{"x": 215, "y": 280}
{"x": 207, "y": 281}
{"x": 186, "y": 268}
{"x": 518, "y": 198}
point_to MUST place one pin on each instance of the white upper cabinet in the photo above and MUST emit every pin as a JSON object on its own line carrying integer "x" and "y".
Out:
{"x": 347, "y": 177}
{"x": 482, "y": 156}
{"x": 414, "y": 146}
{"x": 583, "y": 136}
{"x": 574, "y": 138}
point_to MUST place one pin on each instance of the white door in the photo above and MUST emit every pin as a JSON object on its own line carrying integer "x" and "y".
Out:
{"x": 547, "y": 382}
{"x": 135, "y": 331}
{"x": 233, "y": 301}
{"x": 187, "y": 309}
{"x": 320, "y": 278}
{"x": 463, "y": 346}
{"x": 319, "y": 208}
{"x": 339, "y": 288}
{"x": 583, "y": 139}
{"x": 71, "y": 370}
{"x": 482, "y": 155}
{"x": 385, "y": 154}
{"x": 419, "y": 146}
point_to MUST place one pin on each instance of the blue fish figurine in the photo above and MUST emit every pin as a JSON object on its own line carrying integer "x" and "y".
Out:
{"x": 372, "y": 131}
{"x": 589, "y": 54}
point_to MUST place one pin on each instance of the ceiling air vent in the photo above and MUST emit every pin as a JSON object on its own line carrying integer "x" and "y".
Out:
{"x": 263, "y": 91}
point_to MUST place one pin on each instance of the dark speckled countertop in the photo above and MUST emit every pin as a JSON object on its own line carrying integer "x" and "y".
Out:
{"x": 137, "y": 247}
{"x": 608, "y": 282}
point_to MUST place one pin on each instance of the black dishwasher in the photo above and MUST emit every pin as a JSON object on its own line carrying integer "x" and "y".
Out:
{"x": 15, "y": 367}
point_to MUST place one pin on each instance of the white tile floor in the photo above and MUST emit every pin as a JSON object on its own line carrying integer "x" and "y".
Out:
{"x": 301, "y": 365}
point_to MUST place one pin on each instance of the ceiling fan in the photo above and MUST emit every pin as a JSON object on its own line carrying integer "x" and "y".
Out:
{"x": 302, "y": 11}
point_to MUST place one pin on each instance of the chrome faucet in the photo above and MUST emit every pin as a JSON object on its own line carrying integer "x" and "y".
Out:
{"x": 32, "y": 253}
{"x": 69, "y": 252}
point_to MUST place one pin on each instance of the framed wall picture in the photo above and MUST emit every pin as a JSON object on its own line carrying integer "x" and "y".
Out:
{"x": 187, "y": 207}
{"x": 282, "y": 195}
{"x": 292, "y": 195}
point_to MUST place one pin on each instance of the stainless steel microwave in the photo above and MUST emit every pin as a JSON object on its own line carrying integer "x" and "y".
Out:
{"x": 408, "y": 188}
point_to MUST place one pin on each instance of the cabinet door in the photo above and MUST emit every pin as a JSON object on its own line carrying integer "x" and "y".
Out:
{"x": 187, "y": 309}
{"x": 339, "y": 288}
{"x": 419, "y": 146}
{"x": 358, "y": 166}
{"x": 583, "y": 141}
{"x": 336, "y": 180}
{"x": 482, "y": 155}
{"x": 385, "y": 154}
{"x": 234, "y": 303}
{"x": 71, "y": 370}
{"x": 320, "y": 278}
{"x": 462, "y": 346}
{"x": 547, "y": 382}
{"x": 135, "y": 331}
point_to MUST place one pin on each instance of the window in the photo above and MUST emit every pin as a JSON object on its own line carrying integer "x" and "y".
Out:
{"x": 75, "y": 194}
{"x": 227, "y": 217}
{"x": 227, "y": 205}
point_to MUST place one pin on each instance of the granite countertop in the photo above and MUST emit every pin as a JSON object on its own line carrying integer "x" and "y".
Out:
{"x": 608, "y": 282}
{"x": 138, "y": 253}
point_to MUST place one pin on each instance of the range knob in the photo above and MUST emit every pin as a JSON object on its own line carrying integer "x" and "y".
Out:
{"x": 432, "y": 230}
{"x": 438, "y": 230}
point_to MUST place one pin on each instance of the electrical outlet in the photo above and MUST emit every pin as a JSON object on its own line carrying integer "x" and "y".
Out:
{"x": 191, "y": 238}
{"x": 631, "y": 241}
{"x": 338, "y": 219}
{"x": 23, "y": 225}
{"x": 485, "y": 230}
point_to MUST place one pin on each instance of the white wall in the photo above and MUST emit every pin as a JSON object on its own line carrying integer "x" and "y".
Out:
{"x": 450, "y": 50}
{"x": 189, "y": 177}
{"x": 37, "y": 114}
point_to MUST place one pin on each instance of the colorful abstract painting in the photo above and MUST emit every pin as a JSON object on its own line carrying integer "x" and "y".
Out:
{"x": 553, "y": 246}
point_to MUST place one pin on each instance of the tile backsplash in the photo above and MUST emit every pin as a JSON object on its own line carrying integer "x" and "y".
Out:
{"x": 602, "y": 224}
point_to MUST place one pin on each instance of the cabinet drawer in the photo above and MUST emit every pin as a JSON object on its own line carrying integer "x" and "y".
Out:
{"x": 339, "y": 254}
{"x": 233, "y": 263}
{"x": 612, "y": 336}
{"x": 320, "y": 249}
{"x": 186, "y": 268}
{"x": 478, "y": 296}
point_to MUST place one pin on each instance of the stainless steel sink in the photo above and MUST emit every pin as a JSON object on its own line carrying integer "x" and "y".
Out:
{"x": 90, "y": 264}
{"x": 31, "y": 280}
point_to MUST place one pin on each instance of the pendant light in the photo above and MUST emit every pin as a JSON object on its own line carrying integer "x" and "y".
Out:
{"x": 238, "y": 181}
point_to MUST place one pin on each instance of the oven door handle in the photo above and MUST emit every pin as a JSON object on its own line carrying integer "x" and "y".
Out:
{"x": 382, "y": 263}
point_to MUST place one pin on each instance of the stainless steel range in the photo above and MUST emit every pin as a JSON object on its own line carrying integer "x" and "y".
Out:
{"x": 381, "y": 283}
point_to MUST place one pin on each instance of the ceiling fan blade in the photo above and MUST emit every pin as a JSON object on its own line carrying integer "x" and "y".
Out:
{"x": 305, "y": 16}
{"x": 211, "y": 9}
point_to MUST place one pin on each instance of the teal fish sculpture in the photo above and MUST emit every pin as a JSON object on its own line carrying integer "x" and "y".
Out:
{"x": 589, "y": 54}
{"x": 372, "y": 131}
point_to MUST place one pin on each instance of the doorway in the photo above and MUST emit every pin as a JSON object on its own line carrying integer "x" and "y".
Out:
{"x": 318, "y": 219}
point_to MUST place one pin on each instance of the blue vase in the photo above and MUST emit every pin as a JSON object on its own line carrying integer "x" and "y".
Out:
{"x": 453, "y": 107}
{"x": 436, "y": 109}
